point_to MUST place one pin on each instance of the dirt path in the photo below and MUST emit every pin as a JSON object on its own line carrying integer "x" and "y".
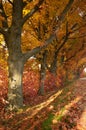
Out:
{"x": 80, "y": 91}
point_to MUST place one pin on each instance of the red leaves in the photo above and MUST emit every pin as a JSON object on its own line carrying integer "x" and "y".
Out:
{"x": 50, "y": 82}
{"x": 30, "y": 85}
{"x": 3, "y": 88}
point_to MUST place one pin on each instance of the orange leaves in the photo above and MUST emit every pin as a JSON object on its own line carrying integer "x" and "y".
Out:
{"x": 2, "y": 18}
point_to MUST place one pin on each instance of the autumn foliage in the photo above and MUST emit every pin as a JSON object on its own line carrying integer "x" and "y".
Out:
{"x": 42, "y": 50}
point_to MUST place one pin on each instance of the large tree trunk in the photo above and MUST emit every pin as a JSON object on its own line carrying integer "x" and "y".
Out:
{"x": 15, "y": 96}
{"x": 15, "y": 66}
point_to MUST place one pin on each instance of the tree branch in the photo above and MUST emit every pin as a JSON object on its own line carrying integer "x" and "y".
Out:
{"x": 65, "y": 39}
{"x": 64, "y": 12}
{"x": 10, "y": 2}
{"x": 77, "y": 37}
{"x": 78, "y": 28}
{"x": 3, "y": 14}
{"x": 53, "y": 35}
{"x": 38, "y": 49}
{"x": 34, "y": 10}
{"x": 80, "y": 49}
{"x": 2, "y": 31}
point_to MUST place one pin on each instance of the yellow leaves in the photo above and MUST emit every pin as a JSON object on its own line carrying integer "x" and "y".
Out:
{"x": 25, "y": 11}
{"x": 19, "y": 111}
{"x": 1, "y": 38}
{"x": 29, "y": 42}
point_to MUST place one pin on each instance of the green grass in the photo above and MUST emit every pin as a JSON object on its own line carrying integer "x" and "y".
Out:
{"x": 59, "y": 117}
{"x": 46, "y": 125}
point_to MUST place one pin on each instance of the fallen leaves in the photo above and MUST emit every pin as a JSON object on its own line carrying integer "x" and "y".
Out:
{"x": 64, "y": 109}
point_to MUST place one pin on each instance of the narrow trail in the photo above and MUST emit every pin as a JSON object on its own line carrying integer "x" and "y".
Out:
{"x": 80, "y": 91}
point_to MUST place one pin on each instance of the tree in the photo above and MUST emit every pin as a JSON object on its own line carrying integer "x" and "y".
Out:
{"x": 11, "y": 28}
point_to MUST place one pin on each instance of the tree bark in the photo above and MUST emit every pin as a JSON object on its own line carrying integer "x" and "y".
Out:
{"x": 15, "y": 68}
{"x": 53, "y": 67}
{"x": 15, "y": 95}
{"x": 42, "y": 74}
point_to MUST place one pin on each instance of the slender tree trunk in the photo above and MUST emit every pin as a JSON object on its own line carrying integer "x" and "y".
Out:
{"x": 53, "y": 67}
{"x": 42, "y": 75}
{"x": 42, "y": 80}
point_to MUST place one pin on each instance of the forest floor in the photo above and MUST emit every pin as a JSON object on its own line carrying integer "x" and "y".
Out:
{"x": 64, "y": 109}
